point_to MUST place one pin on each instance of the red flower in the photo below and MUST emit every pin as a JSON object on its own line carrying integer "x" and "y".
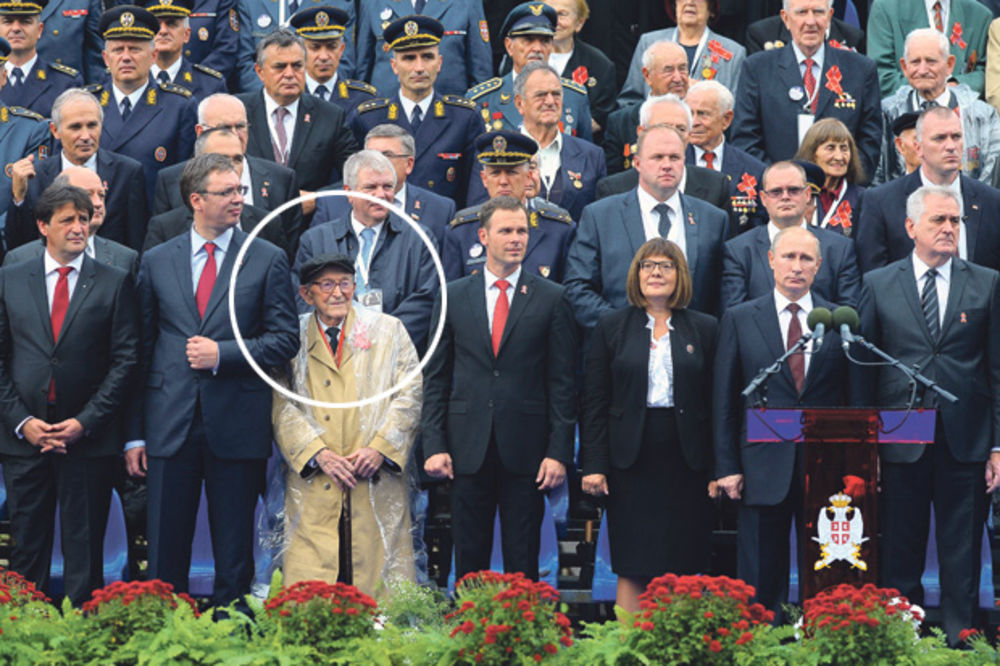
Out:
{"x": 580, "y": 75}
{"x": 966, "y": 634}
{"x": 715, "y": 646}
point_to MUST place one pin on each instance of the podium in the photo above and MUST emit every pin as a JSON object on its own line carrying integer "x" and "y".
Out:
{"x": 838, "y": 531}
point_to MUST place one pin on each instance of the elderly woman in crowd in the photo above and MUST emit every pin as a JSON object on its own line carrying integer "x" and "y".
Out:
{"x": 645, "y": 432}
{"x": 830, "y": 145}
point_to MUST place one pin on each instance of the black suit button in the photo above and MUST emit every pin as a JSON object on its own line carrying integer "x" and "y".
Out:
{"x": 491, "y": 404}
{"x": 680, "y": 411}
{"x": 55, "y": 361}
{"x": 496, "y": 373}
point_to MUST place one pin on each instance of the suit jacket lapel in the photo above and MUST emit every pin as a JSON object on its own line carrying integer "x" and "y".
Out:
{"x": 959, "y": 277}
{"x": 689, "y": 224}
{"x": 632, "y": 221}
{"x": 763, "y": 245}
{"x": 476, "y": 293}
{"x": 973, "y": 217}
{"x": 221, "y": 286}
{"x": 84, "y": 286}
{"x": 907, "y": 281}
{"x": 789, "y": 74}
{"x": 523, "y": 292}
{"x": 260, "y": 129}
{"x": 826, "y": 96}
{"x": 39, "y": 294}
{"x": 182, "y": 270}
{"x": 303, "y": 127}
{"x": 142, "y": 115}
{"x": 425, "y": 135}
{"x": 770, "y": 331}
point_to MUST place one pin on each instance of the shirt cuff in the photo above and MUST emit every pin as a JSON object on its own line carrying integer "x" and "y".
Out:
{"x": 19, "y": 430}
{"x": 215, "y": 370}
{"x": 135, "y": 444}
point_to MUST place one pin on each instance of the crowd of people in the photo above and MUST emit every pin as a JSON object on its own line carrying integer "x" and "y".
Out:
{"x": 608, "y": 239}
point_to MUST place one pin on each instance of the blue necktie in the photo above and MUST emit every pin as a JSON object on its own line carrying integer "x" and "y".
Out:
{"x": 418, "y": 6}
{"x": 18, "y": 77}
{"x": 367, "y": 242}
{"x": 416, "y": 119}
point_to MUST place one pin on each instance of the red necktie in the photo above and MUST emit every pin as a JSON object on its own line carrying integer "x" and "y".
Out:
{"x": 810, "y": 82}
{"x": 206, "y": 281}
{"x": 60, "y": 303}
{"x": 709, "y": 159}
{"x": 797, "y": 361}
{"x": 500, "y": 314}
{"x": 938, "y": 19}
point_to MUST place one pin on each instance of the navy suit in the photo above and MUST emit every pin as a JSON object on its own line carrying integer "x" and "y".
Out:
{"x": 72, "y": 37}
{"x": 575, "y": 185}
{"x": 738, "y": 165}
{"x": 202, "y": 424}
{"x": 766, "y": 120}
{"x": 125, "y": 208}
{"x": 430, "y": 210}
{"x": 752, "y": 340}
{"x": 24, "y": 133}
{"x": 746, "y": 274}
{"x": 610, "y": 234}
{"x": 882, "y": 238}
{"x": 465, "y": 48}
{"x": 401, "y": 266}
{"x": 40, "y": 87}
{"x": 105, "y": 252}
{"x": 550, "y": 232}
{"x": 620, "y": 136}
{"x": 444, "y": 139}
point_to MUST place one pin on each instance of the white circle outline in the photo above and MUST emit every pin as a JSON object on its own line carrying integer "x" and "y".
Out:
{"x": 292, "y": 395}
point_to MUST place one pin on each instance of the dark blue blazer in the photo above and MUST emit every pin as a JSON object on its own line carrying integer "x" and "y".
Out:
{"x": 41, "y": 86}
{"x": 746, "y": 273}
{"x": 432, "y": 211}
{"x": 609, "y": 235}
{"x": 235, "y": 403}
{"x": 736, "y": 163}
{"x": 215, "y": 31}
{"x": 72, "y": 36}
{"x": 881, "y": 237}
{"x": 580, "y": 162}
{"x": 401, "y": 266}
{"x": 766, "y": 121}
{"x": 444, "y": 140}
{"x": 751, "y": 340}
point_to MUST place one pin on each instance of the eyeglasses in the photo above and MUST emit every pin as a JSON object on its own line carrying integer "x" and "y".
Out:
{"x": 232, "y": 127}
{"x": 391, "y": 155}
{"x": 778, "y": 192}
{"x": 228, "y": 193}
{"x": 647, "y": 266}
{"x": 327, "y": 286}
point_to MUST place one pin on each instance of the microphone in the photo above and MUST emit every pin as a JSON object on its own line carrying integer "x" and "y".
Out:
{"x": 818, "y": 321}
{"x": 846, "y": 319}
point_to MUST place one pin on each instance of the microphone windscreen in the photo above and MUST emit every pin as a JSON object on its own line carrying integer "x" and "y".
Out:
{"x": 846, "y": 315}
{"x": 819, "y": 316}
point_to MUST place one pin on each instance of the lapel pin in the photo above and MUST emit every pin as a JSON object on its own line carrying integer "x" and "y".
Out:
{"x": 962, "y": 318}
{"x": 690, "y": 218}
{"x": 975, "y": 207}
{"x": 524, "y": 289}
{"x": 306, "y": 118}
{"x": 690, "y": 349}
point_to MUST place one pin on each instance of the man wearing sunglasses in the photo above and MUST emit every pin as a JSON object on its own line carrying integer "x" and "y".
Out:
{"x": 746, "y": 274}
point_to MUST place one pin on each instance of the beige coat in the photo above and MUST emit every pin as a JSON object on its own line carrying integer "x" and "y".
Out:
{"x": 377, "y": 355}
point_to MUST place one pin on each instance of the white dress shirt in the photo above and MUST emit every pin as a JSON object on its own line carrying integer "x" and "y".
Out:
{"x": 945, "y": 6}
{"x": 331, "y": 85}
{"x": 772, "y": 230}
{"x": 493, "y": 291}
{"x": 52, "y": 275}
{"x": 91, "y": 250}
{"x": 785, "y": 320}
{"x": 134, "y": 97}
{"x": 409, "y": 105}
{"x": 956, "y": 187}
{"x": 270, "y": 106}
{"x": 25, "y": 69}
{"x": 199, "y": 257}
{"x": 651, "y": 219}
{"x": 699, "y": 156}
{"x": 558, "y": 61}
{"x": 943, "y": 282}
{"x": 91, "y": 162}
{"x": 172, "y": 71}
{"x": 660, "y": 391}
{"x": 549, "y": 158}
{"x": 245, "y": 180}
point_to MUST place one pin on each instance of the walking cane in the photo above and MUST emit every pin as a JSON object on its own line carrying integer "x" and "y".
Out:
{"x": 348, "y": 563}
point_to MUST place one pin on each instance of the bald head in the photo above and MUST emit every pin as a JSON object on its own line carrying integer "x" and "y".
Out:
{"x": 223, "y": 111}
{"x": 87, "y": 180}
{"x": 665, "y": 68}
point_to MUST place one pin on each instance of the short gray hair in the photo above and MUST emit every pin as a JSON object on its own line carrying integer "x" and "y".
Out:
{"x": 646, "y": 110}
{"x": 650, "y": 52}
{"x": 942, "y": 41}
{"x": 390, "y": 131}
{"x": 366, "y": 159}
{"x": 280, "y": 38}
{"x": 788, "y": 230}
{"x": 916, "y": 202}
{"x": 528, "y": 70}
{"x": 784, "y": 4}
{"x": 724, "y": 100}
{"x": 69, "y": 95}
{"x": 196, "y": 171}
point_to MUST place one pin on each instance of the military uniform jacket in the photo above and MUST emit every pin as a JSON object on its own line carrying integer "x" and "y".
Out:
{"x": 72, "y": 38}
{"x": 348, "y": 94}
{"x": 41, "y": 86}
{"x": 890, "y": 21}
{"x": 201, "y": 80}
{"x": 465, "y": 46}
{"x": 444, "y": 139}
{"x": 495, "y": 99}
{"x": 980, "y": 128}
{"x": 215, "y": 32}
{"x": 258, "y": 18}
{"x": 159, "y": 131}
{"x": 550, "y": 231}
{"x": 22, "y": 133}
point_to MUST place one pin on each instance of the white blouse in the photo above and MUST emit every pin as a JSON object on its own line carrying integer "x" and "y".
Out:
{"x": 660, "y": 392}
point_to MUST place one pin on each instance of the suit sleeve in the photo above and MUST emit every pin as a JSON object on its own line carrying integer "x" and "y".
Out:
{"x": 346, "y": 68}
{"x": 848, "y": 278}
{"x": 437, "y": 388}
{"x": 20, "y": 227}
{"x": 344, "y": 145}
{"x": 114, "y": 390}
{"x": 561, "y": 380}
{"x": 478, "y": 56}
{"x": 189, "y": 118}
{"x": 12, "y": 409}
{"x": 583, "y": 273}
{"x": 364, "y": 47}
{"x": 727, "y": 401}
{"x": 451, "y": 254}
{"x": 754, "y": 41}
{"x": 247, "y": 78}
{"x": 869, "y": 132}
{"x": 161, "y": 200}
{"x": 414, "y": 309}
{"x": 614, "y": 145}
{"x": 734, "y": 278}
{"x": 138, "y": 209}
{"x": 594, "y": 442}
{"x": 881, "y": 49}
{"x": 93, "y": 44}
{"x": 864, "y": 378}
{"x": 149, "y": 316}
{"x": 222, "y": 56}
{"x": 748, "y": 130}
{"x": 871, "y": 241}
{"x": 584, "y": 127}
{"x": 993, "y": 353}
{"x": 292, "y": 221}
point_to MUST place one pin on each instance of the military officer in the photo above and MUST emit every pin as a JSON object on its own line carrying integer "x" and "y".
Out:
{"x": 262, "y": 17}
{"x": 22, "y": 133}
{"x": 505, "y": 156}
{"x": 31, "y": 82}
{"x": 444, "y": 126}
{"x": 465, "y": 45}
{"x": 148, "y": 121}
{"x": 215, "y": 33}
{"x": 170, "y": 65}
{"x": 322, "y": 29}
{"x": 527, "y": 35}
{"x": 72, "y": 36}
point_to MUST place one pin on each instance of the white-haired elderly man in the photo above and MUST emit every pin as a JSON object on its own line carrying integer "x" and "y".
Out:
{"x": 927, "y": 64}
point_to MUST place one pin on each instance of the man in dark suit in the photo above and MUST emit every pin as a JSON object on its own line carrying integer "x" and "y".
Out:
{"x": 311, "y": 138}
{"x": 499, "y": 398}
{"x": 427, "y": 208}
{"x": 772, "y": 33}
{"x": 768, "y": 477}
{"x": 782, "y": 91}
{"x": 204, "y": 414}
{"x": 77, "y": 119}
{"x": 68, "y": 350}
{"x": 444, "y": 127}
{"x": 268, "y": 184}
{"x": 938, "y": 314}
{"x": 395, "y": 269}
{"x": 569, "y": 168}
{"x": 98, "y": 248}
{"x": 612, "y": 229}
{"x": 882, "y": 236}
{"x": 746, "y": 274}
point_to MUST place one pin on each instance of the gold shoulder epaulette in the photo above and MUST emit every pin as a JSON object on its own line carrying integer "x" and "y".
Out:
{"x": 458, "y": 100}
{"x": 64, "y": 69}
{"x": 354, "y": 84}
{"x": 463, "y": 217}
{"x": 550, "y": 212}
{"x": 25, "y": 113}
{"x": 175, "y": 89}
{"x": 373, "y": 104}
{"x": 486, "y": 86}
{"x": 573, "y": 85}
{"x": 207, "y": 70}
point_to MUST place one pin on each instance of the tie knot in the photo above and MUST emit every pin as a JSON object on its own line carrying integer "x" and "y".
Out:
{"x": 332, "y": 333}
{"x": 367, "y": 233}
{"x": 163, "y": 76}
{"x": 321, "y": 90}
{"x": 808, "y": 62}
{"x": 661, "y": 208}
{"x": 17, "y": 73}
{"x": 280, "y": 113}
{"x": 64, "y": 271}
{"x": 794, "y": 308}
{"x": 931, "y": 274}
{"x": 501, "y": 285}
{"x": 209, "y": 249}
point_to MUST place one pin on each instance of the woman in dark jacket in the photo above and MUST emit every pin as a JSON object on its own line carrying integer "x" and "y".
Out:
{"x": 829, "y": 144}
{"x": 646, "y": 439}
